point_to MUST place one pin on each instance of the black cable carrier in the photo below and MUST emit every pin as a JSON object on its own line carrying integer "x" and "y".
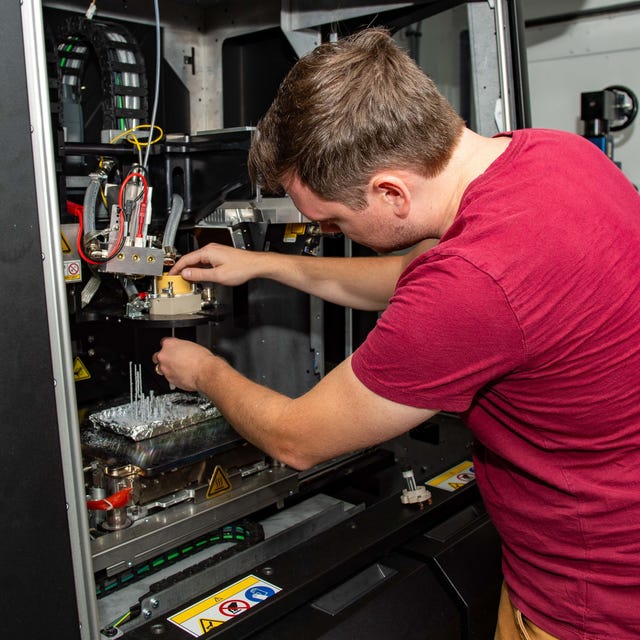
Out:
{"x": 243, "y": 534}
{"x": 122, "y": 80}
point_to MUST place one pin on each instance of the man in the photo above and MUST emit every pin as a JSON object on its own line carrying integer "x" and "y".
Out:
{"x": 524, "y": 319}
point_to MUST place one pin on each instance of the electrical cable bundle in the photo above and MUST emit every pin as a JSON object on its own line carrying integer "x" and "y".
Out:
{"x": 124, "y": 85}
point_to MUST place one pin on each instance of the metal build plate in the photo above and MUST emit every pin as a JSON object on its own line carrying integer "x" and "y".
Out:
{"x": 164, "y": 452}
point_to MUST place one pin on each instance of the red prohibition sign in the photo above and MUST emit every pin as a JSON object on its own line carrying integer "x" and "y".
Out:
{"x": 73, "y": 269}
{"x": 233, "y": 607}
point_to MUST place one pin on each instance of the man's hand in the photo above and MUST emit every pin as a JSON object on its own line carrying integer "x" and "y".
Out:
{"x": 182, "y": 362}
{"x": 219, "y": 264}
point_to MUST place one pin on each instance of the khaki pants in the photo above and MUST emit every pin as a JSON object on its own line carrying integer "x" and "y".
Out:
{"x": 512, "y": 625}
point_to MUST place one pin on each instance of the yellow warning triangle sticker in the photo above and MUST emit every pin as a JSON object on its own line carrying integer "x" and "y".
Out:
{"x": 80, "y": 372}
{"x": 66, "y": 247}
{"x": 456, "y": 485}
{"x": 207, "y": 624}
{"x": 219, "y": 482}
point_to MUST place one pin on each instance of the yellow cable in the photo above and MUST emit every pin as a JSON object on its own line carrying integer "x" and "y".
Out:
{"x": 119, "y": 622}
{"x": 129, "y": 136}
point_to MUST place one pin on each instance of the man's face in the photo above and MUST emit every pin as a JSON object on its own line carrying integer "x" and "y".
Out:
{"x": 373, "y": 227}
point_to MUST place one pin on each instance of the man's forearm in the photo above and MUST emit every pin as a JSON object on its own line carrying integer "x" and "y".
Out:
{"x": 360, "y": 283}
{"x": 337, "y": 415}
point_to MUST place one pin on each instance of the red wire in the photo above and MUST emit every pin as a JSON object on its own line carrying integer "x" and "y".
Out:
{"x": 116, "y": 501}
{"x": 77, "y": 210}
{"x": 143, "y": 205}
{"x": 79, "y": 238}
{"x": 74, "y": 209}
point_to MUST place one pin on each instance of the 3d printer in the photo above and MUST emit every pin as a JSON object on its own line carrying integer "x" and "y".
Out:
{"x": 164, "y": 472}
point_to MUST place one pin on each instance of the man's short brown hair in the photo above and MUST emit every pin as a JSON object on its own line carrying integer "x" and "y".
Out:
{"x": 347, "y": 110}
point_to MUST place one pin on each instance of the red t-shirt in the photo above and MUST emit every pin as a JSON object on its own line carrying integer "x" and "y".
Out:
{"x": 525, "y": 319}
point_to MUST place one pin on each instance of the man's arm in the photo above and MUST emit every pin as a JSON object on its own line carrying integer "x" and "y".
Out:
{"x": 360, "y": 283}
{"x": 336, "y": 416}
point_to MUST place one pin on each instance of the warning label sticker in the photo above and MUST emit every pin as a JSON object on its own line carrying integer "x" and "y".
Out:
{"x": 219, "y": 482}
{"x": 80, "y": 372}
{"x": 207, "y": 624}
{"x": 66, "y": 247}
{"x": 72, "y": 270}
{"x": 455, "y": 477}
{"x": 223, "y": 605}
{"x": 292, "y": 230}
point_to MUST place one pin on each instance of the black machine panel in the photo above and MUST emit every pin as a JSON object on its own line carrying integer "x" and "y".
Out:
{"x": 380, "y": 573}
{"x": 35, "y": 534}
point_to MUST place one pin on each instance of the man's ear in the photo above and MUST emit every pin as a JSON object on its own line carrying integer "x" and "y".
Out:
{"x": 391, "y": 191}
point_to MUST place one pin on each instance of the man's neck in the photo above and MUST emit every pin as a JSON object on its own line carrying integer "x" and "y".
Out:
{"x": 473, "y": 155}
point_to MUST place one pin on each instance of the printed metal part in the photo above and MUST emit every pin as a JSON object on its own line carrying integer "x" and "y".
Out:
{"x": 149, "y": 416}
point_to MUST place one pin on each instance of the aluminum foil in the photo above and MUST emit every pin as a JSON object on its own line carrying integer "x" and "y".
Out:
{"x": 150, "y": 416}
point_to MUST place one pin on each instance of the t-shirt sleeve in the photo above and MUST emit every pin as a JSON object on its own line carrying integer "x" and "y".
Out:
{"x": 447, "y": 333}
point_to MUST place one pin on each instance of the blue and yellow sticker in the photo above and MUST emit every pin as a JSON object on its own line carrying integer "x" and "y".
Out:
{"x": 223, "y": 605}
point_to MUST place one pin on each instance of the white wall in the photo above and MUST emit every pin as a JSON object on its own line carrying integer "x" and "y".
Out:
{"x": 588, "y": 54}
{"x": 439, "y": 47}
